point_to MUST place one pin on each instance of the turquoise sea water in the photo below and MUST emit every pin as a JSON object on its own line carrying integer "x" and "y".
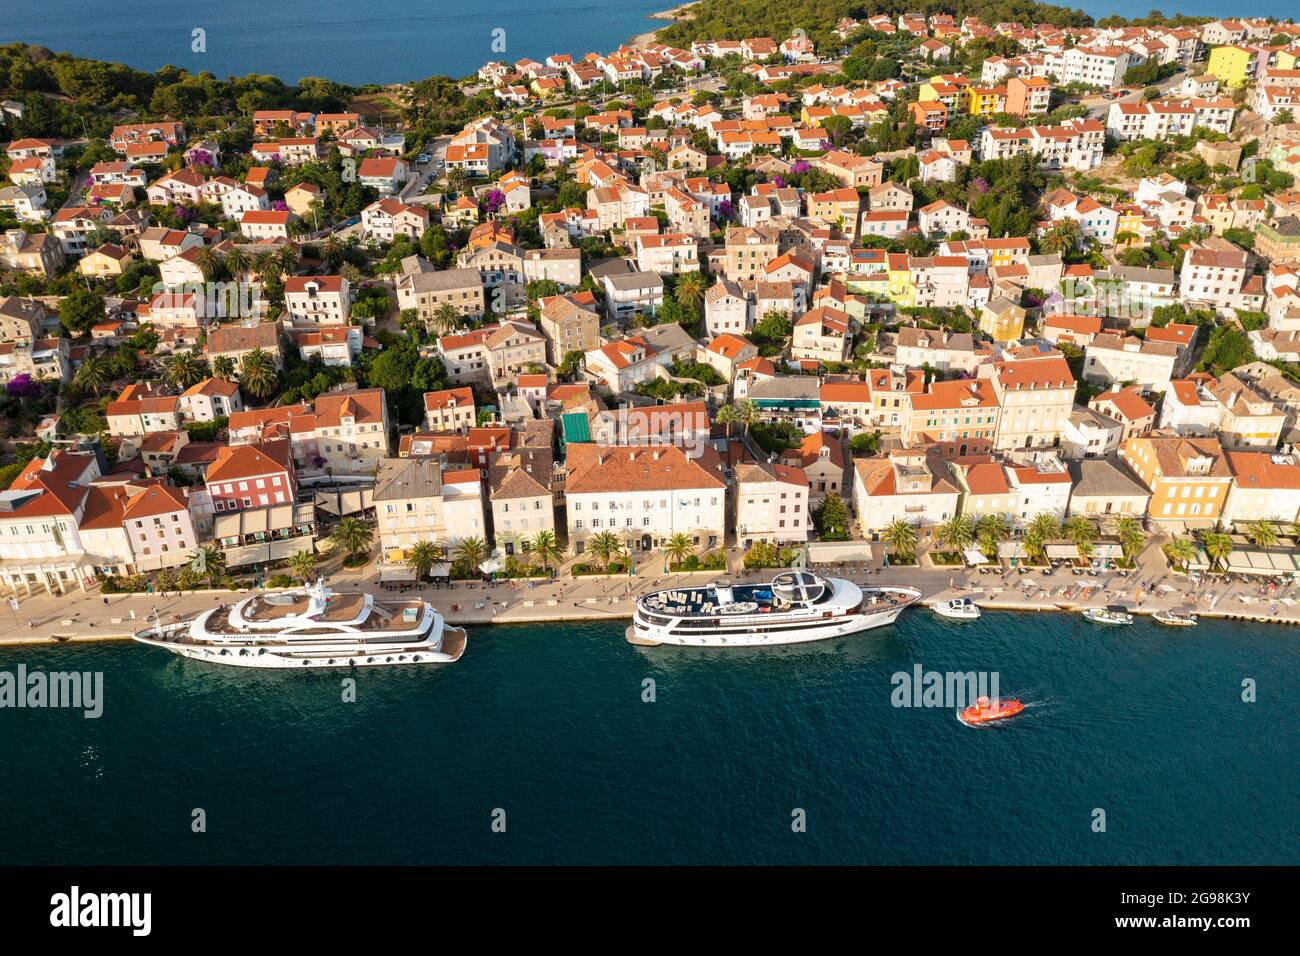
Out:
{"x": 548, "y": 723}
{"x": 383, "y": 41}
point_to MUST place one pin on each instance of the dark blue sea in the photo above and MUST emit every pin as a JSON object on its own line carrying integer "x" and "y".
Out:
{"x": 549, "y": 725}
{"x": 382, "y": 41}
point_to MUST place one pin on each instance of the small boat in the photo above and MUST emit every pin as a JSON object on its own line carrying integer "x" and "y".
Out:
{"x": 958, "y": 609}
{"x": 986, "y": 710}
{"x": 1112, "y": 614}
{"x": 1174, "y": 619}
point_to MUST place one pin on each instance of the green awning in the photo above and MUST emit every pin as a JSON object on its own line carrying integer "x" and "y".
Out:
{"x": 574, "y": 428}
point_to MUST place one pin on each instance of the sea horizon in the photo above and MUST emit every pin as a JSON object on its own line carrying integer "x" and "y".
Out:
{"x": 297, "y": 39}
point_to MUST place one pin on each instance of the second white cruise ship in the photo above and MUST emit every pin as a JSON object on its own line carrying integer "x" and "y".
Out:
{"x": 312, "y": 627}
{"x": 797, "y": 606}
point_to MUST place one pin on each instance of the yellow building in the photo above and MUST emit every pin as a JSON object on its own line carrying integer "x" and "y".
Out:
{"x": 902, "y": 291}
{"x": 1233, "y": 65}
{"x": 1287, "y": 59}
{"x": 1188, "y": 477}
{"x": 1002, "y": 320}
{"x": 986, "y": 100}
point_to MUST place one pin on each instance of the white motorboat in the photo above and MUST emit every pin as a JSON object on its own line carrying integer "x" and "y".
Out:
{"x": 312, "y": 627}
{"x": 1174, "y": 619}
{"x": 958, "y": 609}
{"x": 796, "y": 607}
{"x": 1113, "y": 614}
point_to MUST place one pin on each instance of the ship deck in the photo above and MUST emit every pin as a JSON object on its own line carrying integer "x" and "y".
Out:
{"x": 704, "y": 601}
{"x": 265, "y": 608}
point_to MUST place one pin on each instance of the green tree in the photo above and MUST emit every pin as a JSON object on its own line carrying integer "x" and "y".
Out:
{"x": 470, "y": 553}
{"x": 93, "y": 374}
{"x": 422, "y": 557}
{"x": 257, "y": 373}
{"x": 303, "y": 565}
{"x": 1081, "y": 532}
{"x": 546, "y": 549}
{"x": 1217, "y": 548}
{"x": 80, "y": 309}
{"x": 208, "y": 561}
{"x": 1180, "y": 551}
{"x": 678, "y": 548}
{"x": 900, "y": 537}
{"x": 605, "y": 546}
{"x": 991, "y": 531}
{"x": 1263, "y": 534}
{"x": 690, "y": 290}
{"x": 956, "y": 534}
{"x": 1128, "y": 530}
{"x": 182, "y": 370}
{"x": 223, "y": 367}
{"x": 1042, "y": 529}
{"x": 352, "y": 536}
{"x": 832, "y": 518}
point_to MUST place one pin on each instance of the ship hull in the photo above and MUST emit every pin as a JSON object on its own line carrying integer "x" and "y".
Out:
{"x": 842, "y": 627}
{"x": 447, "y": 650}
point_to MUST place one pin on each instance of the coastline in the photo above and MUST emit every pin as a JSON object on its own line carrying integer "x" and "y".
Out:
{"x": 671, "y": 15}
{"x": 506, "y": 605}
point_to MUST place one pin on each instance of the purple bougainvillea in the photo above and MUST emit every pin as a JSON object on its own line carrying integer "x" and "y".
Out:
{"x": 23, "y": 385}
{"x": 778, "y": 182}
{"x": 280, "y": 206}
{"x": 979, "y": 184}
{"x": 725, "y": 209}
{"x": 494, "y": 200}
{"x": 199, "y": 157}
{"x": 800, "y": 166}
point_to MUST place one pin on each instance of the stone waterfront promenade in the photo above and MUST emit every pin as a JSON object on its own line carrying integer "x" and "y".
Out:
{"x": 1152, "y": 587}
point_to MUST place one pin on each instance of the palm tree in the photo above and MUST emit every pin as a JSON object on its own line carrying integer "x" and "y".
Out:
{"x": 287, "y": 259}
{"x": 209, "y": 262}
{"x": 1180, "y": 551}
{"x": 257, "y": 373}
{"x": 747, "y": 413}
{"x": 901, "y": 539}
{"x": 1217, "y": 548}
{"x": 991, "y": 532}
{"x": 331, "y": 251}
{"x": 1263, "y": 534}
{"x": 605, "y": 546}
{"x": 422, "y": 557}
{"x": 444, "y": 320}
{"x": 547, "y": 549}
{"x": 728, "y": 416}
{"x": 1062, "y": 237}
{"x": 303, "y": 565}
{"x": 1081, "y": 532}
{"x": 352, "y": 536}
{"x": 92, "y": 374}
{"x": 223, "y": 367}
{"x": 266, "y": 265}
{"x": 471, "y": 552}
{"x": 183, "y": 370}
{"x": 209, "y": 561}
{"x": 690, "y": 290}
{"x": 956, "y": 534}
{"x": 678, "y": 548}
{"x": 1042, "y": 529}
{"x": 237, "y": 261}
{"x": 1131, "y": 537}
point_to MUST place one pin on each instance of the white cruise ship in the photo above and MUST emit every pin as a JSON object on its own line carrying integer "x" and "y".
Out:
{"x": 797, "y": 606}
{"x": 312, "y": 627}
